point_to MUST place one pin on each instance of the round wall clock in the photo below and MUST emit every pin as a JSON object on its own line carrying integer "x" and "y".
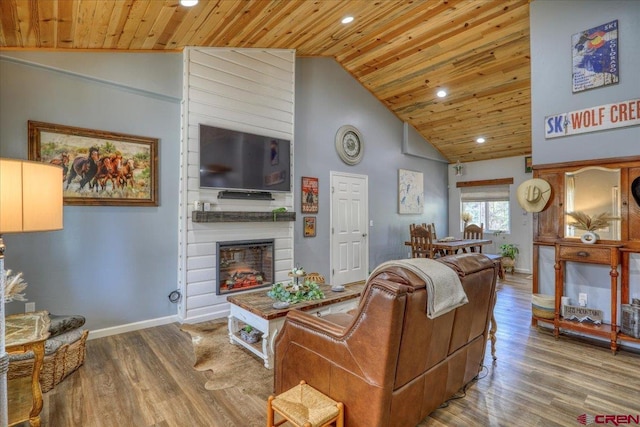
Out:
{"x": 349, "y": 144}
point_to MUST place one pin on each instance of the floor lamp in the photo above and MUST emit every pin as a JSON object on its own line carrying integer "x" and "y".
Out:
{"x": 30, "y": 200}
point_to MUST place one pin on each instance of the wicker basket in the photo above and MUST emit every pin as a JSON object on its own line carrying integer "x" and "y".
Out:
{"x": 543, "y": 306}
{"x": 57, "y": 365}
{"x": 316, "y": 277}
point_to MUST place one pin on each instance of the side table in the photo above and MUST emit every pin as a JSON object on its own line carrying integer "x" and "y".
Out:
{"x": 26, "y": 332}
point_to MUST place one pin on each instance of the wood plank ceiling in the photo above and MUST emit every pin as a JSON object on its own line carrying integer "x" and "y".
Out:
{"x": 401, "y": 51}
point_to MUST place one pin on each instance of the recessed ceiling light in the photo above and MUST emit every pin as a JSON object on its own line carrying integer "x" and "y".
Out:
{"x": 347, "y": 19}
{"x": 188, "y": 3}
{"x": 441, "y": 93}
{"x": 480, "y": 140}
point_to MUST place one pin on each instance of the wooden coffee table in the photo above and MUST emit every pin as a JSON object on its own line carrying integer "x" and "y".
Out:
{"x": 256, "y": 309}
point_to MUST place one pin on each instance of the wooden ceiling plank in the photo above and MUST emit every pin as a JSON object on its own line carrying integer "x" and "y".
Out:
{"x": 369, "y": 25}
{"x": 261, "y": 33}
{"x": 162, "y": 20}
{"x": 438, "y": 54}
{"x": 27, "y": 20}
{"x": 47, "y": 23}
{"x": 415, "y": 36}
{"x": 119, "y": 16}
{"x": 485, "y": 117}
{"x": 418, "y": 66}
{"x": 9, "y": 23}
{"x": 448, "y": 37}
{"x": 100, "y": 25}
{"x": 170, "y": 28}
{"x": 493, "y": 85}
{"x": 427, "y": 117}
{"x": 84, "y": 24}
{"x": 460, "y": 84}
{"x": 237, "y": 22}
{"x": 66, "y": 23}
{"x": 149, "y": 17}
{"x": 202, "y": 23}
{"x": 312, "y": 27}
{"x": 135, "y": 18}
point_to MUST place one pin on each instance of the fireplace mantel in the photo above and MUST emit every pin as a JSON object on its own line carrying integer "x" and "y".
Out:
{"x": 240, "y": 216}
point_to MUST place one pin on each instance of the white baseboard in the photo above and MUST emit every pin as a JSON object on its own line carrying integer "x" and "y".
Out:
{"x": 206, "y": 317}
{"x": 144, "y": 324}
{"x": 105, "y": 332}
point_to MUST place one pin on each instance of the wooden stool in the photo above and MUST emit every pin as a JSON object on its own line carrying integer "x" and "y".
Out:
{"x": 304, "y": 406}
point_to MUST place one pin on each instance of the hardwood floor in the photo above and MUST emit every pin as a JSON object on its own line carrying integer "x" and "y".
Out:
{"x": 144, "y": 378}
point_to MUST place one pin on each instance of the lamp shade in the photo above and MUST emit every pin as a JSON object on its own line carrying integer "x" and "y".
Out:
{"x": 30, "y": 196}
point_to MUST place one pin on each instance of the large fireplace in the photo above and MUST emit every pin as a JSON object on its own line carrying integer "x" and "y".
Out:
{"x": 244, "y": 265}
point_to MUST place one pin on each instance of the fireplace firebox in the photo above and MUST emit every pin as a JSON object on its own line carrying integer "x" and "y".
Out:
{"x": 244, "y": 265}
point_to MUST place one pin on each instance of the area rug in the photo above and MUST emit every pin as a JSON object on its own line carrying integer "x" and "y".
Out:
{"x": 227, "y": 365}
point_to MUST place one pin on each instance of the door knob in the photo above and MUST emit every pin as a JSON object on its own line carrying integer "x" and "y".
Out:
{"x": 364, "y": 234}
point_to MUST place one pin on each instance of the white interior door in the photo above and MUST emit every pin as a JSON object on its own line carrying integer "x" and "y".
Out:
{"x": 349, "y": 230}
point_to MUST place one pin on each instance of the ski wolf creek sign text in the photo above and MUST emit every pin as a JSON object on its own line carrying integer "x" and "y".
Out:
{"x": 592, "y": 119}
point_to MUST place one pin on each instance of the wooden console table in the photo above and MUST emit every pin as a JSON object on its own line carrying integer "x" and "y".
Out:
{"x": 26, "y": 332}
{"x": 608, "y": 255}
{"x": 256, "y": 309}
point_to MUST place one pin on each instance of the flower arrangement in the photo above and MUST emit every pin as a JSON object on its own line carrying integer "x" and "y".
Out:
{"x": 294, "y": 292}
{"x": 582, "y": 221}
{"x": 13, "y": 285}
{"x": 466, "y": 217}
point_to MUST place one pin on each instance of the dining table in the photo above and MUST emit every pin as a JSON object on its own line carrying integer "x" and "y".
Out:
{"x": 451, "y": 247}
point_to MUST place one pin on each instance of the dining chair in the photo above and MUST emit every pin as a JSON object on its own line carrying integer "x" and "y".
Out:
{"x": 434, "y": 238}
{"x": 474, "y": 231}
{"x": 421, "y": 241}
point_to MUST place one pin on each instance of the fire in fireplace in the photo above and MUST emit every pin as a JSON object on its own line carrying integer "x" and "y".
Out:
{"x": 244, "y": 265}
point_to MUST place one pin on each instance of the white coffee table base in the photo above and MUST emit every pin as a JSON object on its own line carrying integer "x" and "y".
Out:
{"x": 238, "y": 317}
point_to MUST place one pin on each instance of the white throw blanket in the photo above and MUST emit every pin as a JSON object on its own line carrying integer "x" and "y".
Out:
{"x": 444, "y": 290}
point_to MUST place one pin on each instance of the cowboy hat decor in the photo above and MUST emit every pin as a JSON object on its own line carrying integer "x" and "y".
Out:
{"x": 635, "y": 190}
{"x": 533, "y": 194}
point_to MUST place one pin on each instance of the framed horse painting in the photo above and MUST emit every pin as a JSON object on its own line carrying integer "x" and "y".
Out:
{"x": 98, "y": 167}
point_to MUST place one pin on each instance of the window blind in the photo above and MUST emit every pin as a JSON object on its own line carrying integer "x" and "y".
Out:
{"x": 486, "y": 193}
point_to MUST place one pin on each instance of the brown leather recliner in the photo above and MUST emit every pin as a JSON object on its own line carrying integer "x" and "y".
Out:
{"x": 388, "y": 362}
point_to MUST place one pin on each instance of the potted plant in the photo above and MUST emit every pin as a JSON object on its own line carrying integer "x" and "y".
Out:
{"x": 509, "y": 251}
{"x": 250, "y": 334}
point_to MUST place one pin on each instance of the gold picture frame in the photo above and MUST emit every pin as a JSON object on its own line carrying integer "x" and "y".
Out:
{"x": 98, "y": 167}
{"x": 309, "y": 226}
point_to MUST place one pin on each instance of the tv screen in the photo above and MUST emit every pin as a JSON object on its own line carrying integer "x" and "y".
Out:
{"x": 236, "y": 160}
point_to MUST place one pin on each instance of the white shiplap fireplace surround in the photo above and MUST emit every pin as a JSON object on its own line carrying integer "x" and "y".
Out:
{"x": 250, "y": 90}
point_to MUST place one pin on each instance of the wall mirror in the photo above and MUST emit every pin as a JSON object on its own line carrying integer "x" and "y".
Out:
{"x": 593, "y": 190}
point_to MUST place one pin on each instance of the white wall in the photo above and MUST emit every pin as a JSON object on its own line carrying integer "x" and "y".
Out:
{"x": 249, "y": 90}
{"x": 521, "y": 221}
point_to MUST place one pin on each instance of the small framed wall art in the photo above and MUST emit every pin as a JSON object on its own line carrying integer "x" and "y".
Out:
{"x": 595, "y": 57}
{"x": 410, "y": 192}
{"x": 309, "y": 226}
{"x": 528, "y": 165}
{"x": 309, "y": 195}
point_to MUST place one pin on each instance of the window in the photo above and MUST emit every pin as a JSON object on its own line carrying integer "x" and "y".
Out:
{"x": 488, "y": 205}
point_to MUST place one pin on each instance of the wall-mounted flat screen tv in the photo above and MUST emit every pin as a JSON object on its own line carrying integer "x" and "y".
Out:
{"x": 236, "y": 160}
